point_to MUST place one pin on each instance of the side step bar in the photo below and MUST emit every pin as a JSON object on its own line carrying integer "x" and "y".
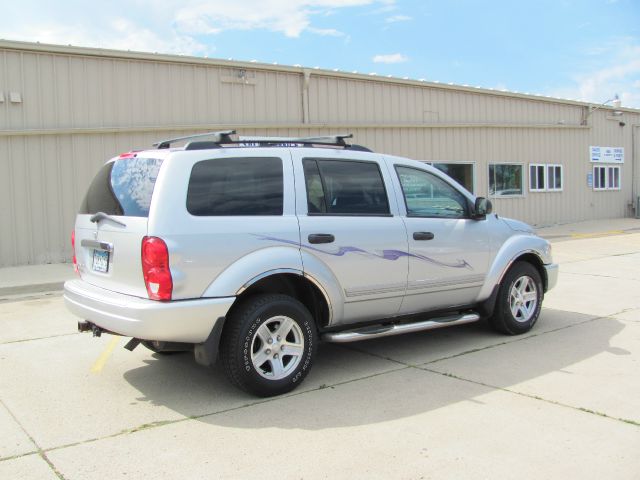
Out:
{"x": 377, "y": 331}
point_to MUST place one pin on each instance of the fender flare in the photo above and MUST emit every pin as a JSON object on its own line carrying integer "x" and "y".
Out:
{"x": 514, "y": 248}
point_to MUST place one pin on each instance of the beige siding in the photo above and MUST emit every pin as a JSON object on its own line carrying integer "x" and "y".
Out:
{"x": 82, "y": 106}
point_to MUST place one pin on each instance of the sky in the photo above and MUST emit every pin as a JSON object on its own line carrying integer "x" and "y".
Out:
{"x": 577, "y": 49}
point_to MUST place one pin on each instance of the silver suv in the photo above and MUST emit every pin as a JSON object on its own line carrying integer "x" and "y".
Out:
{"x": 255, "y": 249}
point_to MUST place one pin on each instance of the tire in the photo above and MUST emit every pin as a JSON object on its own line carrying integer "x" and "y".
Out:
{"x": 257, "y": 366}
{"x": 519, "y": 300}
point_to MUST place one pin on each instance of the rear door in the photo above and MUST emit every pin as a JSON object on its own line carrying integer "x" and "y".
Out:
{"x": 348, "y": 222}
{"x": 108, "y": 248}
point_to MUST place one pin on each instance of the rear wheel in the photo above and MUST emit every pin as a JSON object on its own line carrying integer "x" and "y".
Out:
{"x": 519, "y": 300}
{"x": 268, "y": 345}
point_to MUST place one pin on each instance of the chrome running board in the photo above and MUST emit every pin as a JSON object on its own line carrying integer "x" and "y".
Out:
{"x": 377, "y": 331}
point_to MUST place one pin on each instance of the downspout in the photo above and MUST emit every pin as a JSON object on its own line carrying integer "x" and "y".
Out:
{"x": 305, "y": 95}
{"x": 635, "y": 170}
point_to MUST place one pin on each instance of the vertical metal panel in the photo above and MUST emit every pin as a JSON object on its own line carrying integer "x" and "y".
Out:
{"x": 45, "y": 176}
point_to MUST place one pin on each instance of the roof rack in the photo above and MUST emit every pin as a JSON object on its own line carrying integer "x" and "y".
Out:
{"x": 218, "y": 137}
{"x": 224, "y": 138}
{"x": 324, "y": 140}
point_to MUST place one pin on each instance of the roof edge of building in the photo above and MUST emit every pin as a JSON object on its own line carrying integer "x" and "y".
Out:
{"x": 173, "y": 58}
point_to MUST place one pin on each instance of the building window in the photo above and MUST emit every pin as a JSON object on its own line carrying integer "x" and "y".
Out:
{"x": 554, "y": 178}
{"x": 545, "y": 177}
{"x": 606, "y": 177}
{"x": 505, "y": 180}
{"x": 537, "y": 177}
{"x": 460, "y": 172}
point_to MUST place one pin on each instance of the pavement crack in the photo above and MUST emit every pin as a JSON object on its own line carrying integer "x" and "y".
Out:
{"x": 533, "y": 397}
{"x": 564, "y": 272}
{"x": 162, "y": 423}
{"x": 40, "y": 451}
{"x": 519, "y": 339}
{"x": 13, "y": 457}
{"x": 39, "y": 338}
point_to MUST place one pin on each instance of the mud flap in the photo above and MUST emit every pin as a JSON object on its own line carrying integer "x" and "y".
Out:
{"x": 206, "y": 353}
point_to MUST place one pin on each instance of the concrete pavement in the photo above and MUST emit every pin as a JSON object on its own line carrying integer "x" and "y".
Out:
{"x": 562, "y": 401}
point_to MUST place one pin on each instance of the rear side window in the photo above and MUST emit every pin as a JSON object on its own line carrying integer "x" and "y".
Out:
{"x": 236, "y": 186}
{"x": 338, "y": 187}
{"x": 123, "y": 187}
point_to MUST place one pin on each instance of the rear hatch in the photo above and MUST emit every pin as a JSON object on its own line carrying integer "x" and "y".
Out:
{"x": 112, "y": 221}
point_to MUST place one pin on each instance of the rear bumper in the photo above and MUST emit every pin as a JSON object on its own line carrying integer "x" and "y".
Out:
{"x": 552, "y": 275}
{"x": 188, "y": 321}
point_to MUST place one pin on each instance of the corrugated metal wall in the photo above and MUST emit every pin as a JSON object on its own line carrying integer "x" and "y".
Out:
{"x": 79, "y": 107}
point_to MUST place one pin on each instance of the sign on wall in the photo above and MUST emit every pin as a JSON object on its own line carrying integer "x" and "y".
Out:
{"x": 606, "y": 154}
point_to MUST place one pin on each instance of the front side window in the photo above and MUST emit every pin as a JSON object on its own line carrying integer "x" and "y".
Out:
{"x": 236, "y": 186}
{"x": 505, "y": 180}
{"x": 427, "y": 195}
{"x": 123, "y": 187}
{"x": 339, "y": 187}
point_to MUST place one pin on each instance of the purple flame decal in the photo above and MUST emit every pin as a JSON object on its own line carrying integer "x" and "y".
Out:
{"x": 391, "y": 255}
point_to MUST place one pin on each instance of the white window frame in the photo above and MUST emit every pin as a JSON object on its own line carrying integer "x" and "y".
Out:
{"x": 550, "y": 184}
{"x": 608, "y": 170}
{"x": 522, "y": 180}
{"x": 544, "y": 172}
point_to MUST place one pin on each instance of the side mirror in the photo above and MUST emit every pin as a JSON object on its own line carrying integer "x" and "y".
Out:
{"x": 482, "y": 208}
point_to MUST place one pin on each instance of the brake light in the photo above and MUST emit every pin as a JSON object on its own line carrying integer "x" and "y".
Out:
{"x": 73, "y": 251}
{"x": 155, "y": 268}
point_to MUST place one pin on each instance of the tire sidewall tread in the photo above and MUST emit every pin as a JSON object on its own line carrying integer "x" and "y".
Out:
{"x": 502, "y": 319}
{"x": 236, "y": 341}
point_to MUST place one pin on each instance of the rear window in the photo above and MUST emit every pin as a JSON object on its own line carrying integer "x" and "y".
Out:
{"x": 337, "y": 187}
{"x": 236, "y": 186}
{"x": 123, "y": 187}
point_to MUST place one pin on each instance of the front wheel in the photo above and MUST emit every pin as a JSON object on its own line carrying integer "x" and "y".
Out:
{"x": 519, "y": 300}
{"x": 268, "y": 345}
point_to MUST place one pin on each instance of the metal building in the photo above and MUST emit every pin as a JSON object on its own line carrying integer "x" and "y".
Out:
{"x": 65, "y": 110}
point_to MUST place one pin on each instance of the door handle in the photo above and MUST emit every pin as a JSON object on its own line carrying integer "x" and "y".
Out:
{"x": 423, "y": 236}
{"x": 321, "y": 238}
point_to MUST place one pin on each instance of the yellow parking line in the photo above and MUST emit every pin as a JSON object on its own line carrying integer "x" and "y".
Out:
{"x": 597, "y": 234}
{"x": 104, "y": 356}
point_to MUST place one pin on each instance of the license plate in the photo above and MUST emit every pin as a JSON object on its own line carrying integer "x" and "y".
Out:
{"x": 100, "y": 261}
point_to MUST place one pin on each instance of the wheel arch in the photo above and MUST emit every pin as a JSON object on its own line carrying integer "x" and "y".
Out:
{"x": 295, "y": 284}
{"x": 487, "y": 306}
{"x": 536, "y": 261}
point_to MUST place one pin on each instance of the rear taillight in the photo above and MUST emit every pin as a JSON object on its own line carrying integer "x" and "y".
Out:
{"x": 73, "y": 251}
{"x": 155, "y": 268}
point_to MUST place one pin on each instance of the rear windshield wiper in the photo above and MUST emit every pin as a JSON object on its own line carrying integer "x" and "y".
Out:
{"x": 97, "y": 217}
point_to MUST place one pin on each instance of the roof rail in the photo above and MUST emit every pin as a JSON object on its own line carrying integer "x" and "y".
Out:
{"x": 324, "y": 140}
{"x": 218, "y": 137}
{"x": 224, "y": 138}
